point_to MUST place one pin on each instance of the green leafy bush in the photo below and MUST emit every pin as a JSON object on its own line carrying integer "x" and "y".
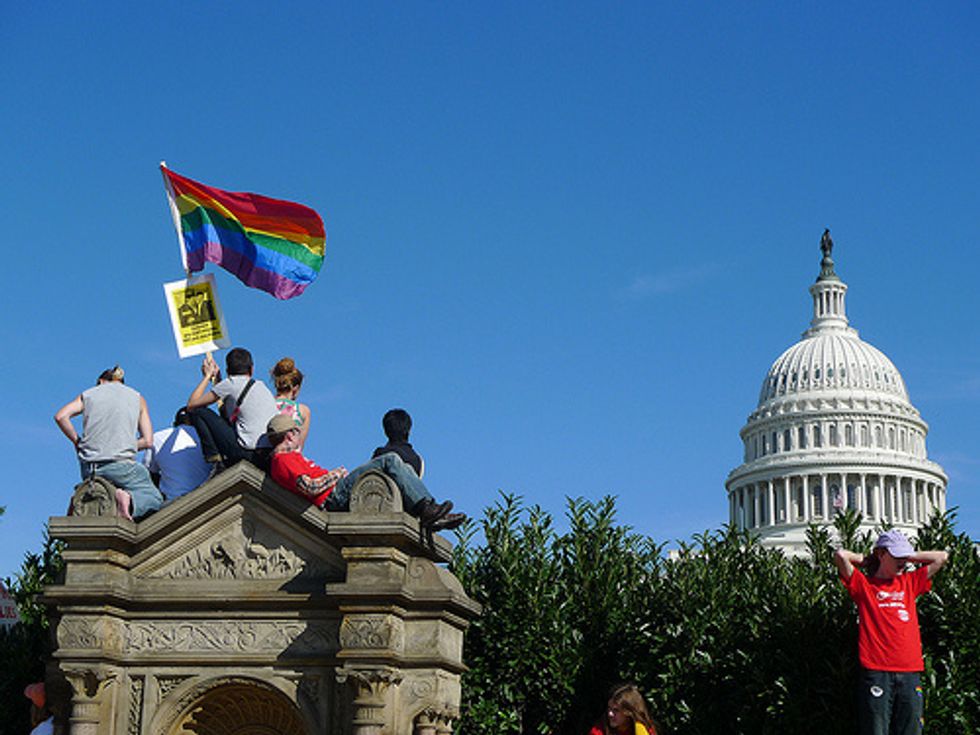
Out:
{"x": 724, "y": 635}
{"x": 25, "y": 647}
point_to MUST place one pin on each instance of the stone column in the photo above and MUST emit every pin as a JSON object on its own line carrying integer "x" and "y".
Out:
{"x": 370, "y": 696}
{"x": 915, "y": 502}
{"x": 825, "y": 496}
{"x": 435, "y": 721}
{"x": 807, "y": 503}
{"x": 86, "y": 702}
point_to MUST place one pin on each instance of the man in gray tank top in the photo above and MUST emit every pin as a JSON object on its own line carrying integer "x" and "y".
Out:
{"x": 111, "y": 415}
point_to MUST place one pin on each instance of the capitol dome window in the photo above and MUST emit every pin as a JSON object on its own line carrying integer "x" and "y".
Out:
{"x": 833, "y": 435}
{"x": 786, "y": 441}
{"x": 817, "y": 437}
{"x": 775, "y": 444}
{"x": 891, "y": 438}
{"x": 878, "y": 436}
{"x": 849, "y": 435}
{"x": 864, "y": 436}
{"x": 801, "y": 438}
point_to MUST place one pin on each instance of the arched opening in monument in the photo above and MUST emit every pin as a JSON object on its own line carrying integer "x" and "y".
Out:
{"x": 241, "y": 709}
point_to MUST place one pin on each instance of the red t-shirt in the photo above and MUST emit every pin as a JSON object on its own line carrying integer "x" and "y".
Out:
{"x": 888, "y": 624}
{"x": 287, "y": 467}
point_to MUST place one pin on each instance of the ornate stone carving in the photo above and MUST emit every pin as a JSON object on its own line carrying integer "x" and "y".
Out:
{"x": 372, "y": 631}
{"x": 374, "y": 492}
{"x": 135, "y": 706}
{"x": 95, "y": 496}
{"x": 87, "y": 685}
{"x": 435, "y": 721}
{"x": 371, "y": 687}
{"x": 237, "y": 554}
{"x": 422, "y": 688}
{"x": 83, "y": 632}
{"x": 166, "y": 684}
{"x": 235, "y": 708}
{"x": 210, "y": 636}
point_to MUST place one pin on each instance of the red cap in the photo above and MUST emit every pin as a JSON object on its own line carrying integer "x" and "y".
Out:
{"x": 35, "y": 693}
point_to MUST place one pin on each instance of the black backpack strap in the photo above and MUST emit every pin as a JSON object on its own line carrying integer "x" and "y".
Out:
{"x": 238, "y": 401}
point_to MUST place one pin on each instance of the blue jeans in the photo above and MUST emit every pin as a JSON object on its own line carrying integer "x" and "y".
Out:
{"x": 412, "y": 488}
{"x": 889, "y": 703}
{"x": 130, "y": 476}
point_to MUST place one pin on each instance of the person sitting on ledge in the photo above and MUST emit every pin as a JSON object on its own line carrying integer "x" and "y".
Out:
{"x": 247, "y": 405}
{"x": 112, "y": 413}
{"x": 175, "y": 461}
{"x": 330, "y": 489}
{"x": 397, "y": 424}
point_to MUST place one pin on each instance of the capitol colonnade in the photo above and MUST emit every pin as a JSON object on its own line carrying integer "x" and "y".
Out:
{"x": 882, "y": 498}
{"x": 834, "y": 429}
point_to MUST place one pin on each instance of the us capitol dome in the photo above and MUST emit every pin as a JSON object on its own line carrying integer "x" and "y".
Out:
{"x": 833, "y": 429}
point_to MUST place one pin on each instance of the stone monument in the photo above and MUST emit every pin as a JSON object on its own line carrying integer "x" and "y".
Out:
{"x": 241, "y": 609}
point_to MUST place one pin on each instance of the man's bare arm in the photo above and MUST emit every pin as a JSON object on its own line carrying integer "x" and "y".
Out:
{"x": 202, "y": 396}
{"x": 145, "y": 427}
{"x": 64, "y": 416}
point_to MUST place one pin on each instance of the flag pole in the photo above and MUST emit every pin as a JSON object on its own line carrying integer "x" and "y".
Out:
{"x": 175, "y": 214}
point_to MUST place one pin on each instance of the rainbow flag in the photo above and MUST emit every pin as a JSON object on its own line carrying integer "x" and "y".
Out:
{"x": 270, "y": 244}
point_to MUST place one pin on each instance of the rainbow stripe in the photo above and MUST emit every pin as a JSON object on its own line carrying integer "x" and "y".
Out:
{"x": 270, "y": 244}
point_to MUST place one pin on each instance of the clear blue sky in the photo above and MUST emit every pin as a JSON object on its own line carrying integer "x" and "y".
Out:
{"x": 569, "y": 238}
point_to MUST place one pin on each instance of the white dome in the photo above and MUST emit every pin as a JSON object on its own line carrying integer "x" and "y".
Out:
{"x": 833, "y": 429}
{"x": 831, "y": 361}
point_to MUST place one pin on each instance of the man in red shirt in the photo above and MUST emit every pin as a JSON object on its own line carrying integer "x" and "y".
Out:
{"x": 889, "y": 645}
{"x": 330, "y": 489}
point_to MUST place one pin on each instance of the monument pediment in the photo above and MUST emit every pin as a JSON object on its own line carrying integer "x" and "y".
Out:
{"x": 238, "y": 528}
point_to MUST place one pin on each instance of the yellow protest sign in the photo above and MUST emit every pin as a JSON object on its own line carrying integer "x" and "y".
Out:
{"x": 196, "y": 316}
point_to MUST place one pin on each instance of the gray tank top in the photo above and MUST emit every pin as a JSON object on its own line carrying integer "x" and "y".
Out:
{"x": 109, "y": 419}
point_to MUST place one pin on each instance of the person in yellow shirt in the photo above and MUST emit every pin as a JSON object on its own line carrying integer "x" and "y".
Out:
{"x": 626, "y": 714}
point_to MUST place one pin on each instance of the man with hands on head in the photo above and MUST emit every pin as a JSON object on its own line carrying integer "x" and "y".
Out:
{"x": 889, "y": 643}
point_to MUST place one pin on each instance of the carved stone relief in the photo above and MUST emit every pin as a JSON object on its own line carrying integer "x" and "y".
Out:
{"x": 95, "y": 496}
{"x": 134, "y": 726}
{"x": 166, "y": 684}
{"x": 375, "y": 493}
{"x": 216, "y": 636}
{"x": 233, "y": 709}
{"x": 372, "y": 631}
{"x": 240, "y": 554}
{"x": 103, "y": 633}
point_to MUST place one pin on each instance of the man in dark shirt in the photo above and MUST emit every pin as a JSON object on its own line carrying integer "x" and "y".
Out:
{"x": 397, "y": 424}
{"x": 330, "y": 490}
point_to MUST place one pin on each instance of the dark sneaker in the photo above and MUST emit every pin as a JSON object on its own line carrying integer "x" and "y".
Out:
{"x": 448, "y": 522}
{"x": 430, "y": 511}
{"x": 216, "y": 469}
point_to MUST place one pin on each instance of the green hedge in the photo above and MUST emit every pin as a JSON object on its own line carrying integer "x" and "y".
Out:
{"x": 25, "y": 647}
{"x": 724, "y": 636}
